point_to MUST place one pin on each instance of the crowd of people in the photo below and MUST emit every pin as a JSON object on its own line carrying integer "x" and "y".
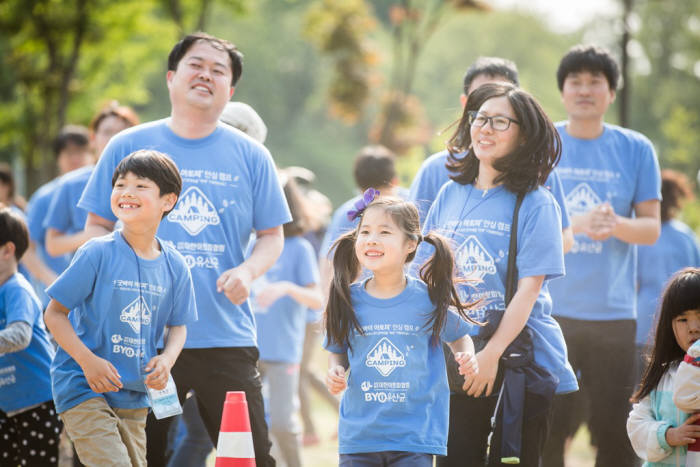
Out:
{"x": 535, "y": 277}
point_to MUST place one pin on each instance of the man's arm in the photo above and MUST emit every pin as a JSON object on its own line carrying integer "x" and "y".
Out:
{"x": 98, "y": 224}
{"x": 59, "y": 243}
{"x": 601, "y": 223}
{"x": 235, "y": 282}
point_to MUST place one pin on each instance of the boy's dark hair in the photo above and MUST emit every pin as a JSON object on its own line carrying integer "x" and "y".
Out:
{"x": 297, "y": 207}
{"x": 77, "y": 135}
{"x": 113, "y": 109}
{"x": 675, "y": 190}
{"x": 8, "y": 178}
{"x": 155, "y": 166}
{"x": 181, "y": 48}
{"x": 529, "y": 165}
{"x": 682, "y": 294}
{"x": 374, "y": 167}
{"x": 13, "y": 229}
{"x": 490, "y": 66}
{"x": 437, "y": 273}
{"x": 589, "y": 58}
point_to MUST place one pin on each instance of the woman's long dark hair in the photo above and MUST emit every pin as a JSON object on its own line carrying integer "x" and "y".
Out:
{"x": 682, "y": 294}
{"x": 529, "y": 165}
{"x": 437, "y": 273}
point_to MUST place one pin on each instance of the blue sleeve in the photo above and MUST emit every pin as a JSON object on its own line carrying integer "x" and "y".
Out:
{"x": 333, "y": 348}
{"x": 540, "y": 250}
{"x": 269, "y": 204}
{"x": 555, "y": 187}
{"x": 95, "y": 197}
{"x": 332, "y": 232}
{"x": 36, "y": 213}
{"x": 184, "y": 305}
{"x": 455, "y": 327}
{"x": 649, "y": 176}
{"x": 422, "y": 191}
{"x": 306, "y": 267}
{"x": 59, "y": 213}
{"x": 19, "y": 306}
{"x": 77, "y": 282}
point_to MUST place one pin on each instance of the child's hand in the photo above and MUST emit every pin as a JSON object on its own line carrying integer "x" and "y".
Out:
{"x": 158, "y": 378}
{"x": 335, "y": 379}
{"x": 685, "y": 434}
{"x": 101, "y": 375}
{"x": 468, "y": 365}
{"x": 272, "y": 293}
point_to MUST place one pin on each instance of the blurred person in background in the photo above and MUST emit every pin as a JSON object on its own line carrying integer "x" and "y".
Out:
{"x": 676, "y": 248}
{"x": 64, "y": 220}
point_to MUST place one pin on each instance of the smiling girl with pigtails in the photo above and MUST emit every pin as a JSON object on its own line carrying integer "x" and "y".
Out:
{"x": 387, "y": 330}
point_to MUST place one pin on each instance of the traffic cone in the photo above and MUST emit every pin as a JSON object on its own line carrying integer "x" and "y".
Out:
{"x": 235, "y": 445}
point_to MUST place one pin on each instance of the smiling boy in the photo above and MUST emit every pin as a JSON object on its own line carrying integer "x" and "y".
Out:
{"x": 108, "y": 312}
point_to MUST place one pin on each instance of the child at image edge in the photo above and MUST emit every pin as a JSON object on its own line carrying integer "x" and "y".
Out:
{"x": 387, "y": 329}
{"x": 659, "y": 430}
{"x": 29, "y": 426}
{"x": 108, "y": 312}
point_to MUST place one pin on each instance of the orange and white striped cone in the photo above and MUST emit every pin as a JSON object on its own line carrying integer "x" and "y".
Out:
{"x": 235, "y": 445}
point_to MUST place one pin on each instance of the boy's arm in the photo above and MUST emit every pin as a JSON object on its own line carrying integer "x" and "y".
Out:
{"x": 99, "y": 373}
{"x": 15, "y": 337}
{"x": 309, "y": 296}
{"x": 162, "y": 363}
{"x": 335, "y": 379}
{"x": 59, "y": 243}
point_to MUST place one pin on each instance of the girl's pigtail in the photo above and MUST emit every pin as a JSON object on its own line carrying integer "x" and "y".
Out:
{"x": 437, "y": 273}
{"x": 340, "y": 316}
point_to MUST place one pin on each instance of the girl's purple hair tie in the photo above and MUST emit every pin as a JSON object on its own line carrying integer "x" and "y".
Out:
{"x": 361, "y": 204}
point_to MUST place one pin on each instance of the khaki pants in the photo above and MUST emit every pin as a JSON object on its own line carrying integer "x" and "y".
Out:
{"x": 107, "y": 436}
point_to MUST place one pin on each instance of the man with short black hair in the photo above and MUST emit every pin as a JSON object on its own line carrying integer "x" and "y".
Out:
{"x": 230, "y": 188}
{"x": 612, "y": 184}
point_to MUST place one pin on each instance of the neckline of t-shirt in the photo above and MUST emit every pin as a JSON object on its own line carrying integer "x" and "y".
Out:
{"x": 401, "y": 297}
{"x": 143, "y": 262}
{"x": 606, "y": 130}
{"x": 196, "y": 142}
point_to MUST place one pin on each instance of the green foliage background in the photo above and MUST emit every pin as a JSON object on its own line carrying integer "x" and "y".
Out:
{"x": 286, "y": 77}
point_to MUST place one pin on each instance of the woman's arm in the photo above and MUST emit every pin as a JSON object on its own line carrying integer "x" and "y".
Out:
{"x": 513, "y": 321}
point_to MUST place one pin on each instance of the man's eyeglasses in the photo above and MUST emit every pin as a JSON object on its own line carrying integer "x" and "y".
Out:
{"x": 498, "y": 123}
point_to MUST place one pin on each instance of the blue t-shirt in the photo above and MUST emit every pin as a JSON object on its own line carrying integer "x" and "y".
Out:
{"x": 478, "y": 224}
{"x": 282, "y": 325}
{"x": 676, "y": 248}
{"x": 397, "y": 397}
{"x": 433, "y": 174}
{"x": 340, "y": 224}
{"x": 64, "y": 214}
{"x": 24, "y": 375}
{"x": 619, "y": 167}
{"x": 119, "y": 306}
{"x": 37, "y": 209}
{"x": 229, "y": 188}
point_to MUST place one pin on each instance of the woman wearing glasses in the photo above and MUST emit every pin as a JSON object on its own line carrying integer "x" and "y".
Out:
{"x": 511, "y": 147}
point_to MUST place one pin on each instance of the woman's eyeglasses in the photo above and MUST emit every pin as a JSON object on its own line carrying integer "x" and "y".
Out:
{"x": 498, "y": 123}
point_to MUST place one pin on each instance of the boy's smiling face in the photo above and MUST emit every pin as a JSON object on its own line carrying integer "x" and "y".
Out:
{"x": 136, "y": 201}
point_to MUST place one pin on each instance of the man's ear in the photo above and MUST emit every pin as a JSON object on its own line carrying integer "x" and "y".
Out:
{"x": 230, "y": 94}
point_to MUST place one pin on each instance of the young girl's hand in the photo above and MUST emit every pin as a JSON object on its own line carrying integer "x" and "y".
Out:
{"x": 101, "y": 375}
{"x": 272, "y": 293}
{"x": 335, "y": 379}
{"x": 482, "y": 382}
{"x": 159, "y": 367}
{"x": 468, "y": 365}
{"x": 685, "y": 434}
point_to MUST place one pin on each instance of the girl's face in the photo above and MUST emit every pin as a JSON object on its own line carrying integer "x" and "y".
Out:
{"x": 490, "y": 144}
{"x": 381, "y": 245}
{"x": 686, "y": 328}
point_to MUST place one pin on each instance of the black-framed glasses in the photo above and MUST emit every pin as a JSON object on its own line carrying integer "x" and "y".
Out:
{"x": 498, "y": 122}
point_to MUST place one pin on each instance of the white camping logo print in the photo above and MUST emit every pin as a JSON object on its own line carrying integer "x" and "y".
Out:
{"x": 385, "y": 357}
{"x": 134, "y": 313}
{"x": 581, "y": 199}
{"x": 473, "y": 259}
{"x": 194, "y": 211}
